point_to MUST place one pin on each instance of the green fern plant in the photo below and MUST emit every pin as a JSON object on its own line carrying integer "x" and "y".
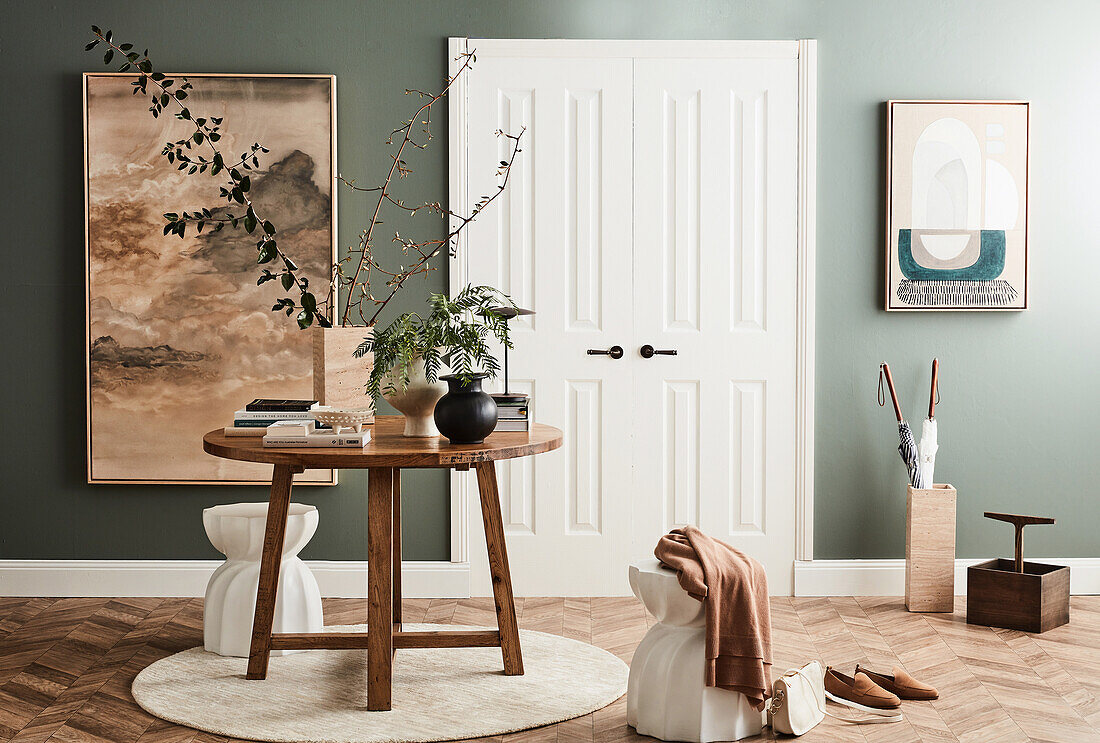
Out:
{"x": 456, "y": 332}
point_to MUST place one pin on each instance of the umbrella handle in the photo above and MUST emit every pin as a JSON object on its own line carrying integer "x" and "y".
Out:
{"x": 933, "y": 394}
{"x": 884, "y": 368}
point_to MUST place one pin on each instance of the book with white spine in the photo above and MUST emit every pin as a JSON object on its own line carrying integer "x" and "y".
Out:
{"x": 346, "y": 440}
{"x": 255, "y": 431}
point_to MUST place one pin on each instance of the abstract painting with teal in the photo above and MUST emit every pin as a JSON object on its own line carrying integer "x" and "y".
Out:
{"x": 964, "y": 207}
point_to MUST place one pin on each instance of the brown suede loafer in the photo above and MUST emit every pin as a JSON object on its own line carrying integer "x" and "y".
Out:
{"x": 902, "y": 684}
{"x": 860, "y": 690}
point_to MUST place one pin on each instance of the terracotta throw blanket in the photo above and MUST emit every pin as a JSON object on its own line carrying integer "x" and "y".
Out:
{"x": 734, "y": 591}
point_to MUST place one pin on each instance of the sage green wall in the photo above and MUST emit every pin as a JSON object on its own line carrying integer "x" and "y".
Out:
{"x": 1020, "y": 403}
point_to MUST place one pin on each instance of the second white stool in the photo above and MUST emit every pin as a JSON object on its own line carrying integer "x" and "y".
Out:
{"x": 667, "y": 696}
{"x": 237, "y": 531}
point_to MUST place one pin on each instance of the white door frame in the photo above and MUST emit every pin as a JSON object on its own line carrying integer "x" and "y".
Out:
{"x": 805, "y": 51}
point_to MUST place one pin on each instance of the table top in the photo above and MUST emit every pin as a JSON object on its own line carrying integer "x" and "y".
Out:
{"x": 388, "y": 448}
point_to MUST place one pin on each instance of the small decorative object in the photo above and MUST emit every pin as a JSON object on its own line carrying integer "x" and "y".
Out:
{"x": 956, "y": 205}
{"x": 410, "y": 352}
{"x": 414, "y": 398}
{"x": 341, "y": 418}
{"x": 930, "y": 548}
{"x": 508, "y": 312}
{"x": 466, "y": 414}
{"x": 250, "y": 197}
{"x": 1013, "y": 594}
{"x": 237, "y": 531}
{"x": 667, "y": 696}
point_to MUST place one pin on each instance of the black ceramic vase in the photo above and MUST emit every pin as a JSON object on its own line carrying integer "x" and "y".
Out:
{"x": 466, "y": 414}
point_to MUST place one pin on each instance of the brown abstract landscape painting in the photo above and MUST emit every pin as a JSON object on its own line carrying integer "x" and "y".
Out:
{"x": 179, "y": 334}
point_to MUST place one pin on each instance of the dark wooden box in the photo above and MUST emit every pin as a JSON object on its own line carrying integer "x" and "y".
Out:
{"x": 1032, "y": 601}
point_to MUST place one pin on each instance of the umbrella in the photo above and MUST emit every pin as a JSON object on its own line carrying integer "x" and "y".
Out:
{"x": 907, "y": 447}
{"x": 928, "y": 442}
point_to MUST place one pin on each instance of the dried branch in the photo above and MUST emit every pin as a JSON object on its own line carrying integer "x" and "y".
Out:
{"x": 360, "y": 266}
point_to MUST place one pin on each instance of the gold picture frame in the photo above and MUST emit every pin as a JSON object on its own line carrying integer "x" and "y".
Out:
{"x": 148, "y": 402}
{"x": 957, "y": 220}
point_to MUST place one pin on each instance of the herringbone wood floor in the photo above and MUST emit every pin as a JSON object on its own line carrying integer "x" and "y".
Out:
{"x": 66, "y": 665}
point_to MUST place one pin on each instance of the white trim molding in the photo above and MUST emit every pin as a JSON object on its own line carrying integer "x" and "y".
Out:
{"x": 887, "y": 577}
{"x": 638, "y": 48}
{"x": 807, "y": 300}
{"x": 458, "y": 266}
{"x": 133, "y": 578}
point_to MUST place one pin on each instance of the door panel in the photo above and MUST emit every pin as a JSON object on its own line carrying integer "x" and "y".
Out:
{"x": 565, "y": 220}
{"x": 654, "y": 202}
{"x": 714, "y": 278}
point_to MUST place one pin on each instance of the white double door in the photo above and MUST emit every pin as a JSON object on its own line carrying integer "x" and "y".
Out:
{"x": 654, "y": 203}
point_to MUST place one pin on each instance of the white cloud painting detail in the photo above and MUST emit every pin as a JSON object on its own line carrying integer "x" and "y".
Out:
{"x": 180, "y": 335}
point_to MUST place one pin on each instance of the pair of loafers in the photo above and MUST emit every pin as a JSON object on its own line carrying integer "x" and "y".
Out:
{"x": 876, "y": 691}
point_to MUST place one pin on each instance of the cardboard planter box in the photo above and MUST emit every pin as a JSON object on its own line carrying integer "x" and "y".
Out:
{"x": 930, "y": 549}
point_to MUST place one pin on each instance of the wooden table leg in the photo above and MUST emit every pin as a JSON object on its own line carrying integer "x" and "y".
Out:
{"x": 379, "y": 587}
{"x": 498, "y": 568}
{"x": 397, "y": 549}
{"x": 270, "y": 561}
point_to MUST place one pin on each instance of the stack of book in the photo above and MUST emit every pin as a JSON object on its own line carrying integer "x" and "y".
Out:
{"x": 513, "y": 412}
{"x": 306, "y": 433}
{"x": 257, "y": 415}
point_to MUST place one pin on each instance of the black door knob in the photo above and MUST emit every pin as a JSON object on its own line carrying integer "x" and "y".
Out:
{"x": 615, "y": 352}
{"x": 647, "y": 351}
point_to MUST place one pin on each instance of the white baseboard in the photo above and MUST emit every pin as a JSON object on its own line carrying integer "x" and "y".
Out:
{"x": 347, "y": 579}
{"x": 887, "y": 577}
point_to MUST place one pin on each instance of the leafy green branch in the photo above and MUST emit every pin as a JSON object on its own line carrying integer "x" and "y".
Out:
{"x": 199, "y": 153}
{"x": 456, "y": 332}
{"x": 166, "y": 95}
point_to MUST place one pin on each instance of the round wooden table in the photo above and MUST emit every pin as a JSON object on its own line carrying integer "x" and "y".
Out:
{"x": 387, "y": 453}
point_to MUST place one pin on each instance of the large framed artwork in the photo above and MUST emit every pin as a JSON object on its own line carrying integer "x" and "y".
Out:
{"x": 956, "y": 208}
{"x": 179, "y": 335}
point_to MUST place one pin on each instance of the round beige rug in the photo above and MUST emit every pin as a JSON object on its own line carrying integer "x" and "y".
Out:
{"x": 438, "y": 694}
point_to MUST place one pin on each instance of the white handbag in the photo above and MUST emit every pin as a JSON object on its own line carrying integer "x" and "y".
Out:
{"x": 798, "y": 702}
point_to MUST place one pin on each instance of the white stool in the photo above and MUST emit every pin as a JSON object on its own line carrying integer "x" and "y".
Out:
{"x": 667, "y": 696}
{"x": 237, "y": 531}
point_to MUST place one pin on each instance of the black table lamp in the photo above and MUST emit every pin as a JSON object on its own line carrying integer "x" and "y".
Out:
{"x": 508, "y": 312}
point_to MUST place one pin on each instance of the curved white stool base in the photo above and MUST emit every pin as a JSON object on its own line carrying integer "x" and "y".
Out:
{"x": 666, "y": 693}
{"x": 237, "y": 531}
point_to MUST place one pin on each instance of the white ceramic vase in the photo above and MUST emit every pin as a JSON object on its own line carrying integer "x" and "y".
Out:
{"x": 417, "y": 401}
